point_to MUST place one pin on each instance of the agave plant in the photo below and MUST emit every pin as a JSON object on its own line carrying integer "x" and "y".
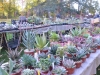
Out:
{"x": 28, "y": 39}
{"x": 59, "y": 70}
{"x": 28, "y": 60}
{"x": 54, "y": 36}
{"x": 77, "y": 31}
{"x": 14, "y": 54}
{"x": 71, "y": 49}
{"x": 28, "y": 72}
{"x": 53, "y": 49}
{"x": 41, "y": 42}
{"x": 68, "y": 63}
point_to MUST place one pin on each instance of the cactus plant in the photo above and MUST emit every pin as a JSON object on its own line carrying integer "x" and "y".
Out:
{"x": 54, "y": 36}
{"x": 28, "y": 72}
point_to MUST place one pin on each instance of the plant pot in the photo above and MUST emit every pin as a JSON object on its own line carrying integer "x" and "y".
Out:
{"x": 50, "y": 68}
{"x": 61, "y": 63}
{"x": 17, "y": 73}
{"x": 78, "y": 63}
{"x": 98, "y": 47}
{"x": 69, "y": 55}
{"x": 88, "y": 55}
{"x": 94, "y": 50}
{"x": 43, "y": 51}
{"x": 31, "y": 52}
{"x": 44, "y": 72}
{"x": 70, "y": 70}
{"x": 83, "y": 59}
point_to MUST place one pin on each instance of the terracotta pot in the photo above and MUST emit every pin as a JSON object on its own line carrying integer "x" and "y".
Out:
{"x": 43, "y": 51}
{"x": 29, "y": 52}
{"x": 70, "y": 70}
{"x": 17, "y": 73}
{"x": 98, "y": 47}
{"x": 78, "y": 64}
{"x": 68, "y": 54}
{"x": 94, "y": 50}
{"x": 61, "y": 63}
{"x": 83, "y": 59}
{"x": 88, "y": 55}
{"x": 44, "y": 72}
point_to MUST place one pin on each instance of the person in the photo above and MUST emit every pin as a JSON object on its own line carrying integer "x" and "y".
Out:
{"x": 22, "y": 18}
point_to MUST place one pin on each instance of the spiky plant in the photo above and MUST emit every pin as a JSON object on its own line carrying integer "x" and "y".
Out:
{"x": 54, "y": 36}
{"x": 28, "y": 39}
{"x": 53, "y": 49}
{"x": 28, "y": 60}
{"x": 68, "y": 63}
{"x": 14, "y": 54}
{"x": 41, "y": 42}
{"x": 43, "y": 55}
{"x": 71, "y": 49}
{"x": 59, "y": 70}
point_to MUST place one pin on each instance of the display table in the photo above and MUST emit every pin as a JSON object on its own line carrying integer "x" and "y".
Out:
{"x": 90, "y": 65}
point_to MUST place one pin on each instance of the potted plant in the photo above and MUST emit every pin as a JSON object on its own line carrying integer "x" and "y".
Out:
{"x": 14, "y": 54}
{"x": 28, "y": 72}
{"x": 69, "y": 65}
{"x": 41, "y": 43}
{"x": 44, "y": 65}
{"x": 53, "y": 50}
{"x": 12, "y": 68}
{"x": 28, "y": 61}
{"x": 60, "y": 53}
{"x": 59, "y": 70}
{"x": 28, "y": 41}
{"x": 54, "y": 37}
{"x": 43, "y": 55}
{"x": 71, "y": 49}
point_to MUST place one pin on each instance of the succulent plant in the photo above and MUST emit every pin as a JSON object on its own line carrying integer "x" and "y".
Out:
{"x": 28, "y": 39}
{"x": 10, "y": 67}
{"x": 59, "y": 70}
{"x": 44, "y": 64}
{"x": 68, "y": 63}
{"x": 43, "y": 55}
{"x": 28, "y": 60}
{"x": 54, "y": 36}
{"x": 41, "y": 42}
{"x": 80, "y": 53}
{"x": 71, "y": 49}
{"x": 28, "y": 72}
{"x": 76, "y": 31}
{"x": 53, "y": 49}
{"x": 14, "y": 54}
{"x": 60, "y": 51}
{"x": 56, "y": 60}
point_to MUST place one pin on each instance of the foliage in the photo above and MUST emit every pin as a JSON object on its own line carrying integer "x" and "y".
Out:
{"x": 14, "y": 54}
{"x": 53, "y": 49}
{"x": 71, "y": 49}
{"x": 28, "y": 39}
{"x": 69, "y": 63}
{"x": 60, "y": 51}
{"x": 54, "y": 36}
{"x": 43, "y": 55}
{"x": 59, "y": 70}
{"x": 28, "y": 72}
{"x": 28, "y": 60}
{"x": 77, "y": 31}
{"x": 41, "y": 42}
{"x": 44, "y": 64}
